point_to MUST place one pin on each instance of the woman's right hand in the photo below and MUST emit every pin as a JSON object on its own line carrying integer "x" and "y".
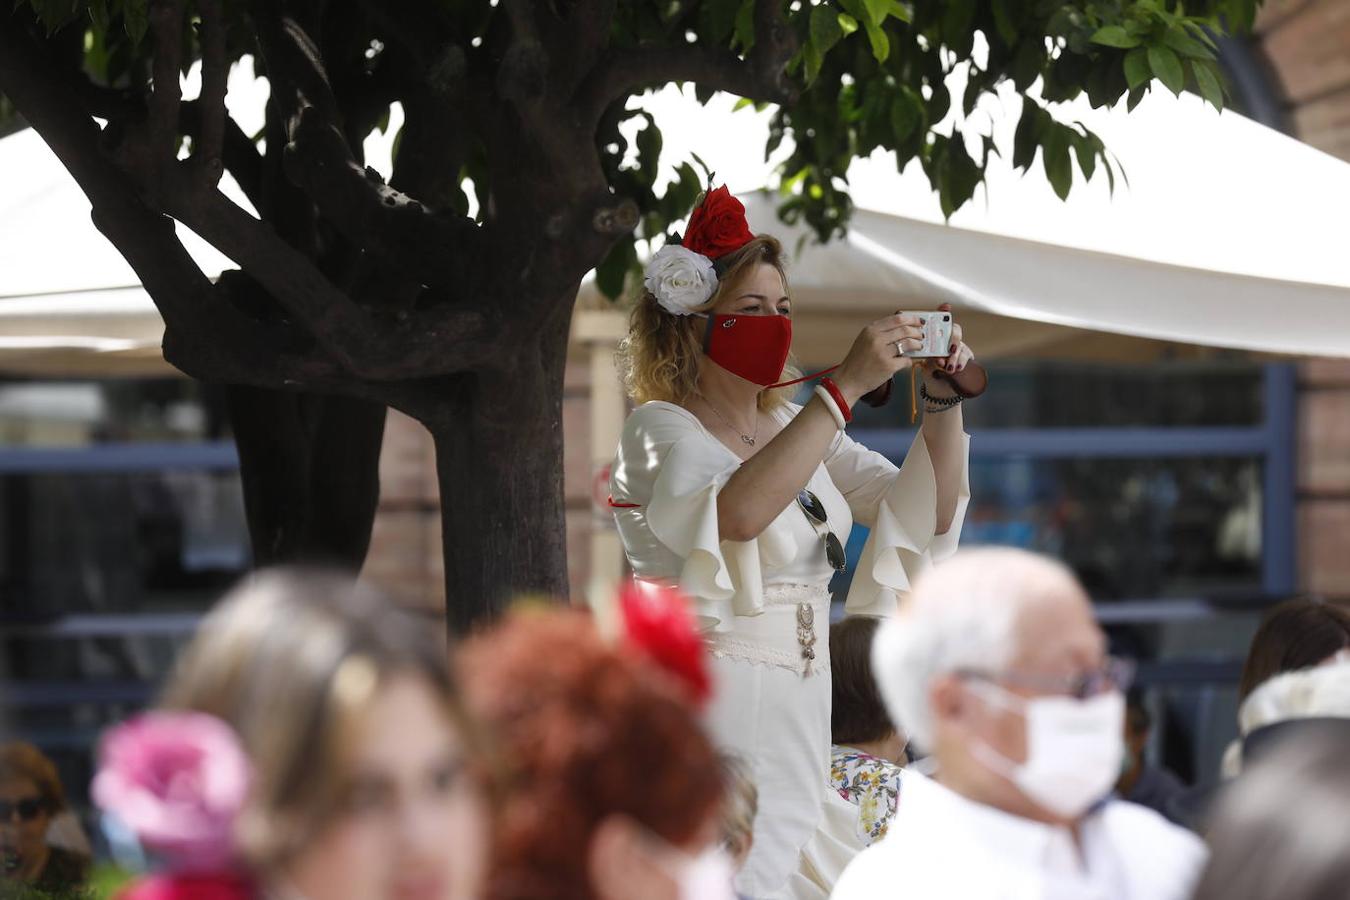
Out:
{"x": 874, "y": 357}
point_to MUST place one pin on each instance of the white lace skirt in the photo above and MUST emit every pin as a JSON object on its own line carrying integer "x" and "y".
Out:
{"x": 772, "y": 708}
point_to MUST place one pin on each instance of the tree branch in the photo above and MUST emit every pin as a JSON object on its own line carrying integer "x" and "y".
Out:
{"x": 239, "y": 154}
{"x": 227, "y": 345}
{"x": 760, "y": 75}
{"x": 196, "y": 316}
{"x": 439, "y": 247}
{"x": 215, "y": 73}
{"x": 166, "y": 20}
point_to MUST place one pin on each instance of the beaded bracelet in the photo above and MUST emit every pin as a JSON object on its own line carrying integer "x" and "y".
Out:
{"x": 939, "y": 404}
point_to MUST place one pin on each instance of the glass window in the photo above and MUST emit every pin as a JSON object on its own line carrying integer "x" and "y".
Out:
{"x": 81, "y": 413}
{"x": 118, "y": 542}
{"x": 128, "y": 539}
{"x": 1058, "y": 394}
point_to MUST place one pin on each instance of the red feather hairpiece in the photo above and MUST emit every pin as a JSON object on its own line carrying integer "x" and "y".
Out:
{"x": 657, "y": 621}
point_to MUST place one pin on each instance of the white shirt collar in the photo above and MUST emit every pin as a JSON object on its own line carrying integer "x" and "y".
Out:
{"x": 1022, "y": 841}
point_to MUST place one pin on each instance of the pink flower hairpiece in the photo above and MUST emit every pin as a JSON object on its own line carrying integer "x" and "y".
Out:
{"x": 178, "y": 781}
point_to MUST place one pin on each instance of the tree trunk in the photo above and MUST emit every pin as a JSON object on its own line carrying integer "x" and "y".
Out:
{"x": 499, "y": 463}
{"x": 310, "y": 471}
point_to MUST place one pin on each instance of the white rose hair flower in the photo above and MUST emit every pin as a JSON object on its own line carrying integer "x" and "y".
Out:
{"x": 680, "y": 279}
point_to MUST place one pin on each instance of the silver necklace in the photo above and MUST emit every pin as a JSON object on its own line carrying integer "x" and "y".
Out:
{"x": 747, "y": 438}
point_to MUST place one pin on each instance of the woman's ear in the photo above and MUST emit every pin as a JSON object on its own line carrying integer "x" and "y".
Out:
{"x": 620, "y": 863}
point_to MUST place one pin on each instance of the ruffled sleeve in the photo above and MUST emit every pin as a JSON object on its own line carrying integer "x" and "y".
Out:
{"x": 900, "y": 506}
{"x": 672, "y": 473}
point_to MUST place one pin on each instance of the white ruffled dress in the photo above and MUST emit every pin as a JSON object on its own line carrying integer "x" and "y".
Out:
{"x": 764, "y": 603}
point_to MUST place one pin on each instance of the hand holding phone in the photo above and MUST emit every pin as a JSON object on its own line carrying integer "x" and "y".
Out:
{"x": 937, "y": 334}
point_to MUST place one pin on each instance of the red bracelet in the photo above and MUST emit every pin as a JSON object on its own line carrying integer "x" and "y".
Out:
{"x": 838, "y": 396}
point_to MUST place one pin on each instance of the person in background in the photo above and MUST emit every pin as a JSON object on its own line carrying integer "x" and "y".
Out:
{"x": 317, "y": 748}
{"x": 31, "y": 797}
{"x": 996, "y": 666}
{"x": 1277, "y": 831}
{"x": 1295, "y": 634}
{"x": 746, "y": 501}
{"x": 1142, "y": 783}
{"x": 612, "y": 790}
{"x": 868, "y": 751}
{"x": 738, "y": 809}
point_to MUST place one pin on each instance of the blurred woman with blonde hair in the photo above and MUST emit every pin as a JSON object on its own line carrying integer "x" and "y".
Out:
{"x": 329, "y": 752}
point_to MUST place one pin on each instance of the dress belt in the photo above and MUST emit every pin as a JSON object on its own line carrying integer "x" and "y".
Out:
{"x": 803, "y": 598}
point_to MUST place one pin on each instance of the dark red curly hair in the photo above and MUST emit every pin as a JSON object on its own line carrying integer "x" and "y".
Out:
{"x": 585, "y": 730}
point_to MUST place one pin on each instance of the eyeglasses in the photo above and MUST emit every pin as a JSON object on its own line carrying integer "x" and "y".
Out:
{"x": 1114, "y": 674}
{"x": 25, "y": 810}
{"x": 815, "y": 512}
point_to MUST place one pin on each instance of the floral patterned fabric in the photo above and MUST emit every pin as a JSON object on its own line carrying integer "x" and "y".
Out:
{"x": 869, "y": 783}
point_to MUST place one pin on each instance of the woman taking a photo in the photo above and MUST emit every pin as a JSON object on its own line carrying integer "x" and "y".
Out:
{"x": 746, "y": 501}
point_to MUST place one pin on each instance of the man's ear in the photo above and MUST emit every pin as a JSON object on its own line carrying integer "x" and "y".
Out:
{"x": 950, "y": 702}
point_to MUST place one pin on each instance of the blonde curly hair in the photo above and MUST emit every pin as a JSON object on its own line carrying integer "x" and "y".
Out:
{"x": 661, "y": 357}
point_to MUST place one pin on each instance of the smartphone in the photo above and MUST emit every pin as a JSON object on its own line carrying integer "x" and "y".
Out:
{"x": 937, "y": 333}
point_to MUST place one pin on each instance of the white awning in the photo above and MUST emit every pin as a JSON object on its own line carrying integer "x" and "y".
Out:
{"x": 1228, "y": 235}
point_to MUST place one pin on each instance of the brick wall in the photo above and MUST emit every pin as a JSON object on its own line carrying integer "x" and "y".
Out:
{"x": 1307, "y": 43}
{"x": 1324, "y": 478}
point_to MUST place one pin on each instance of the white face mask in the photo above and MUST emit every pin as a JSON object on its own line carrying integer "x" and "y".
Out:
{"x": 1074, "y": 748}
{"x": 707, "y": 876}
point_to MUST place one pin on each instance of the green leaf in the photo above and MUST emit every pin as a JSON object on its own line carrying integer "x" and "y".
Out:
{"x": 1086, "y": 153}
{"x": 905, "y": 115}
{"x": 877, "y": 10}
{"x": 825, "y": 29}
{"x": 1137, "y": 71}
{"x": 717, "y": 20}
{"x": 1027, "y": 136}
{"x": 1115, "y": 36}
{"x": 98, "y": 14}
{"x": 1187, "y": 46}
{"x": 745, "y": 24}
{"x": 136, "y": 18}
{"x": 1004, "y": 22}
{"x": 1135, "y": 96}
{"x": 811, "y": 56}
{"x": 1208, "y": 82}
{"x": 1198, "y": 32}
{"x": 649, "y": 144}
{"x": 1167, "y": 67}
{"x": 707, "y": 172}
{"x": 1055, "y": 157}
{"x": 1027, "y": 64}
{"x": 957, "y": 18}
{"x": 612, "y": 272}
{"x": 398, "y": 142}
{"x": 881, "y": 45}
{"x": 959, "y": 174}
{"x": 901, "y": 11}
{"x": 847, "y": 23}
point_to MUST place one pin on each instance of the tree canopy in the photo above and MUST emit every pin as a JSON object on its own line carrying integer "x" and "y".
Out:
{"x": 393, "y": 294}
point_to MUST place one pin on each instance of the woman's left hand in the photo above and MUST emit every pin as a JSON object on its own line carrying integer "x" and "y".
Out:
{"x": 960, "y": 356}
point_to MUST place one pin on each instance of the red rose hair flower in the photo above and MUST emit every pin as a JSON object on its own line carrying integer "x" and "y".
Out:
{"x": 657, "y": 620}
{"x": 718, "y": 226}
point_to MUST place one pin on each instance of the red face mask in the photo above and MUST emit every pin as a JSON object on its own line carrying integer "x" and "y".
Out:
{"x": 753, "y": 347}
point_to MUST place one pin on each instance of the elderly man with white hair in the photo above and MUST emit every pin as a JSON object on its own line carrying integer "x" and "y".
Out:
{"x": 996, "y": 667}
